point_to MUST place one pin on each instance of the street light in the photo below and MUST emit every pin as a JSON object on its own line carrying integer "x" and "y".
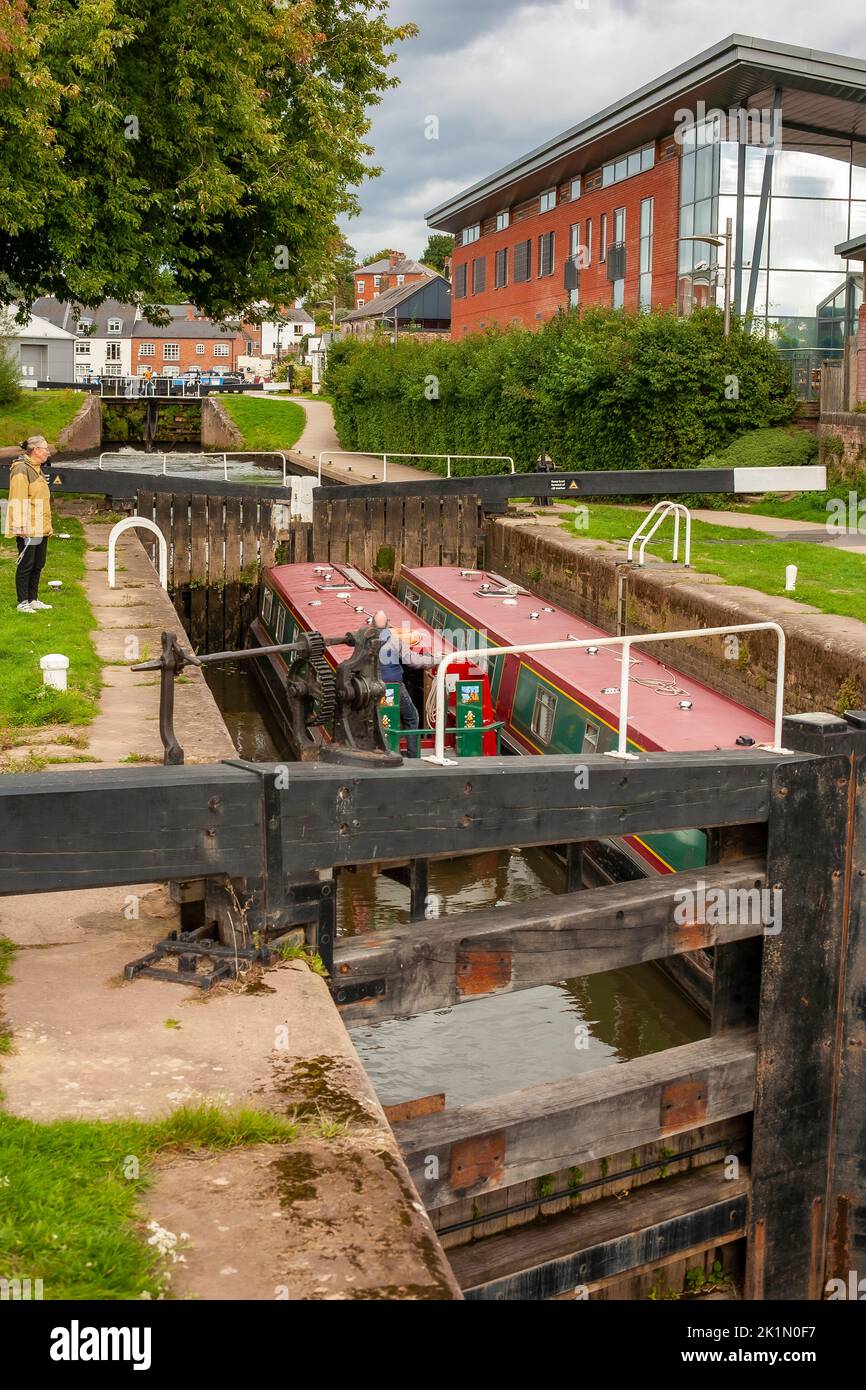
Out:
{"x": 726, "y": 239}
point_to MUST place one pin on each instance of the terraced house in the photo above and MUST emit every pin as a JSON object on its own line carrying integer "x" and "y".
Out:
{"x": 630, "y": 208}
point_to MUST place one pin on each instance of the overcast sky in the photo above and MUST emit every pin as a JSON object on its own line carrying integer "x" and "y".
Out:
{"x": 503, "y": 75}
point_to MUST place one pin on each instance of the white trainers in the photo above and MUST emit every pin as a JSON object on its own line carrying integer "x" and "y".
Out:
{"x": 36, "y": 605}
{"x": 25, "y": 608}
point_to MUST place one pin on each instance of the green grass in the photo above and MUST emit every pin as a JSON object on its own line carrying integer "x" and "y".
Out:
{"x": 833, "y": 581}
{"x": 70, "y": 1195}
{"x": 806, "y": 506}
{"x": 38, "y": 412}
{"x": 266, "y": 424}
{"x": 24, "y": 638}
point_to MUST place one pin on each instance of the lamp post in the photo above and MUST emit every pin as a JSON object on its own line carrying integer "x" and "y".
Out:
{"x": 726, "y": 239}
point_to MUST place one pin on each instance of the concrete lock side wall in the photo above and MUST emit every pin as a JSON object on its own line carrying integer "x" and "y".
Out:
{"x": 83, "y": 434}
{"x": 826, "y": 654}
{"x": 218, "y": 430}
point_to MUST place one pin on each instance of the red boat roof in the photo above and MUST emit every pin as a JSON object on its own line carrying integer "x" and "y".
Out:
{"x": 332, "y": 611}
{"x": 655, "y": 719}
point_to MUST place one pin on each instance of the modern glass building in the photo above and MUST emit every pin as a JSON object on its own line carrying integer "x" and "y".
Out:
{"x": 769, "y": 136}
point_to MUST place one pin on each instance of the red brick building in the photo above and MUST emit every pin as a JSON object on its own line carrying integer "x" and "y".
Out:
{"x": 387, "y": 274}
{"x": 629, "y": 209}
{"x": 191, "y": 342}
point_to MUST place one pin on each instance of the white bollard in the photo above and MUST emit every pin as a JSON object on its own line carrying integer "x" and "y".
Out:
{"x": 54, "y": 668}
{"x": 790, "y": 578}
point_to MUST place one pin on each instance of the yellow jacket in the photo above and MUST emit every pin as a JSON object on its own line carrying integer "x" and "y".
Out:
{"x": 29, "y": 509}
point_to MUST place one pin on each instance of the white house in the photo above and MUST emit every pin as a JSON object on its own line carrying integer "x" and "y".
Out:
{"x": 44, "y": 350}
{"x": 281, "y": 339}
{"x": 103, "y": 336}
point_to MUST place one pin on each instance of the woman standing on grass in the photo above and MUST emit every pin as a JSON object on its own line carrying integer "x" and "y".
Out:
{"x": 28, "y": 519}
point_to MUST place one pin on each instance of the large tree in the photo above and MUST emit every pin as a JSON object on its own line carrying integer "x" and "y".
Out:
{"x": 214, "y": 143}
{"x": 438, "y": 249}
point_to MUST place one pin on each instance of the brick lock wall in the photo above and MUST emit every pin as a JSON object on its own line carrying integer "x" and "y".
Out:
{"x": 537, "y": 299}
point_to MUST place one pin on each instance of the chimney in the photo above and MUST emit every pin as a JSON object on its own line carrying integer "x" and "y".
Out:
{"x": 394, "y": 259}
{"x": 190, "y": 311}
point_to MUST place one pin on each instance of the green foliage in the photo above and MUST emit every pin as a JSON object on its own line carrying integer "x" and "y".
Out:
{"x": 302, "y": 378}
{"x": 155, "y": 148}
{"x": 598, "y": 390}
{"x": 38, "y": 412}
{"x": 438, "y": 249}
{"x": 783, "y": 447}
{"x": 10, "y": 371}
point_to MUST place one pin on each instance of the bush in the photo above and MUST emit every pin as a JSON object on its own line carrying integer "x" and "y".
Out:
{"x": 10, "y": 370}
{"x": 768, "y": 448}
{"x": 601, "y": 389}
{"x": 302, "y": 379}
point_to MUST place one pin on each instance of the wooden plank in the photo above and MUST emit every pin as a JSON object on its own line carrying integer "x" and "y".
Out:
{"x": 736, "y": 965}
{"x": 216, "y": 626}
{"x": 250, "y": 539}
{"x": 163, "y": 520}
{"x": 610, "y": 1237}
{"x": 797, "y": 1060}
{"x": 338, "y": 531}
{"x": 358, "y": 541}
{"x": 431, "y": 532}
{"x": 411, "y": 548}
{"x": 329, "y": 818}
{"x": 464, "y": 956}
{"x": 469, "y": 521}
{"x": 376, "y": 528}
{"x": 549, "y": 1128}
{"x": 181, "y": 539}
{"x": 232, "y": 537}
{"x": 451, "y": 531}
{"x": 498, "y": 487}
{"x": 394, "y": 524}
{"x": 198, "y": 572}
{"x": 321, "y": 530}
{"x": 412, "y": 1109}
{"x": 267, "y": 537}
{"x": 141, "y": 826}
{"x": 145, "y": 506}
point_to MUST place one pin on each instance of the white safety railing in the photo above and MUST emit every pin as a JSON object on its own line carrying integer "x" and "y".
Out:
{"x": 146, "y": 524}
{"x": 657, "y": 514}
{"x": 225, "y": 455}
{"x": 366, "y": 453}
{"x": 621, "y": 750}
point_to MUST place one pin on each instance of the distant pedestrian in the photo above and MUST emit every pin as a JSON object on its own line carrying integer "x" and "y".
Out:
{"x": 28, "y": 519}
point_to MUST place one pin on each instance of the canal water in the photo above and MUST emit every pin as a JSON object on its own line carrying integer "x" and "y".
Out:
{"x": 484, "y": 1048}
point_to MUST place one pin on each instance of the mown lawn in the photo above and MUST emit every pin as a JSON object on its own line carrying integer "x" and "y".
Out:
{"x": 833, "y": 581}
{"x": 69, "y": 1196}
{"x": 266, "y": 424}
{"x": 25, "y": 637}
{"x": 38, "y": 412}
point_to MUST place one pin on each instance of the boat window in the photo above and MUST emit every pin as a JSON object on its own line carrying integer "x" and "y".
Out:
{"x": 267, "y": 604}
{"x": 437, "y": 622}
{"x": 412, "y": 598}
{"x": 280, "y": 629}
{"x": 543, "y": 714}
{"x": 590, "y": 737}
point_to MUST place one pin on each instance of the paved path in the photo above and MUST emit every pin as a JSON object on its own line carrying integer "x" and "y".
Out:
{"x": 319, "y": 435}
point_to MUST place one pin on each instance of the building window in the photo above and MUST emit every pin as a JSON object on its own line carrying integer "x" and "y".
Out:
{"x": 112, "y": 369}
{"x": 616, "y": 259}
{"x": 590, "y": 737}
{"x": 645, "y": 283}
{"x": 619, "y": 225}
{"x": 400, "y": 279}
{"x": 112, "y": 352}
{"x": 522, "y": 261}
{"x": 114, "y": 325}
{"x": 361, "y": 284}
{"x": 437, "y": 622}
{"x": 543, "y": 714}
{"x": 547, "y": 202}
{"x": 636, "y": 162}
{"x": 503, "y": 220}
{"x": 145, "y": 349}
{"x": 479, "y": 275}
{"x": 84, "y": 325}
{"x": 377, "y": 282}
{"x": 171, "y": 352}
{"x": 460, "y": 281}
{"x": 82, "y": 349}
{"x": 572, "y": 274}
{"x": 267, "y": 604}
{"x": 575, "y": 190}
{"x": 199, "y": 349}
{"x": 412, "y": 599}
{"x": 545, "y": 254}
{"x": 220, "y": 349}
{"x": 501, "y": 270}
{"x": 602, "y": 255}
{"x": 471, "y": 234}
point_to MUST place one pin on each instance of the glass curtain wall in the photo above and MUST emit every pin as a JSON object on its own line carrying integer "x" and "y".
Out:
{"x": 806, "y": 297}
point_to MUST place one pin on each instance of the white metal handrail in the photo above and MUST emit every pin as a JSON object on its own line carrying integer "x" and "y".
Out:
{"x": 621, "y": 750}
{"x": 368, "y": 453}
{"x": 127, "y": 524}
{"x": 658, "y": 514}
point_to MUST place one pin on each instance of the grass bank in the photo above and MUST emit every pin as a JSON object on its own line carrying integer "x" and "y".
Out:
{"x": 38, "y": 412}
{"x": 833, "y": 581}
{"x": 265, "y": 424}
{"x": 25, "y": 637}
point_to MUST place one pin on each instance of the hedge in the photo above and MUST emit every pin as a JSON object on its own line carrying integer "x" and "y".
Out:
{"x": 601, "y": 389}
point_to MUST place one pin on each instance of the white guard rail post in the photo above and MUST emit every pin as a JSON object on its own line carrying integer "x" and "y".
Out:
{"x": 621, "y": 750}
{"x": 146, "y": 524}
{"x": 657, "y": 514}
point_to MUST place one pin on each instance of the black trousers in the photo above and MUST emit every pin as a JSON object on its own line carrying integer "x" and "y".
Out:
{"x": 31, "y": 563}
